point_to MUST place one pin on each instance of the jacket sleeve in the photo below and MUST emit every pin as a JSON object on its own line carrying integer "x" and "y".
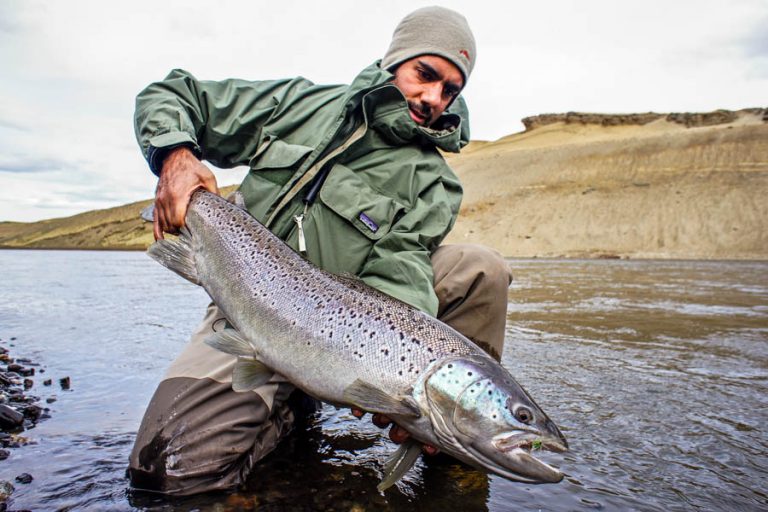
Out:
{"x": 221, "y": 121}
{"x": 399, "y": 264}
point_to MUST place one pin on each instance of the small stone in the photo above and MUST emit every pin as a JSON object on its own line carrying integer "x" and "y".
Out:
{"x": 24, "y": 478}
{"x": 6, "y": 489}
{"x": 50, "y": 399}
{"x": 28, "y": 383}
{"x": 47, "y": 382}
{"x": 33, "y": 412}
{"x": 10, "y": 417}
{"x": 65, "y": 383}
{"x": 4, "y": 454}
{"x": 23, "y": 371}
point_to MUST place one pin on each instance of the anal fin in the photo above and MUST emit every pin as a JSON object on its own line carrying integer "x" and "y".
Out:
{"x": 250, "y": 374}
{"x": 230, "y": 341}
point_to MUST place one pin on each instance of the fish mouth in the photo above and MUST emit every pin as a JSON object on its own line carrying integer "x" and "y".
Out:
{"x": 527, "y": 441}
{"x": 515, "y": 461}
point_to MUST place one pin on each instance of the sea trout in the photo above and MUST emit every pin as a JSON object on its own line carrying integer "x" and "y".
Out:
{"x": 350, "y": 345}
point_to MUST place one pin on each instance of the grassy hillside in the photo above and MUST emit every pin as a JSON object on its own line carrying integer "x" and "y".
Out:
{"x": 113, "y": 228}
{"x": 647, "y": 186}
{"x": 571, "y": 185}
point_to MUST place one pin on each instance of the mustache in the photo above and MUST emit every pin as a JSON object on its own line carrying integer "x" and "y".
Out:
{"x": 421, "y": 109}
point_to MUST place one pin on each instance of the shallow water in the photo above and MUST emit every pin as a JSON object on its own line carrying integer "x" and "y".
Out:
{"x": 656, "y": 372}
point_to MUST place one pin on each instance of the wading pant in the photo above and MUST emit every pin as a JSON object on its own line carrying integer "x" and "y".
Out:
{"x": 199, "y": 435}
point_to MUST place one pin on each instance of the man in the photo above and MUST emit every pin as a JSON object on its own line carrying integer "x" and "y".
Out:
{"x": 351, "y": 177}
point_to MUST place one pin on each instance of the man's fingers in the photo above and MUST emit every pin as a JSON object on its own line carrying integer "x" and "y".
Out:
{"x": 156, "y": 227}
{"x": 160, "y": 218}
{"x": 398, "y": 434}
{"x": 210, "y": 185}
{"x": 381, "y": 421}
{"x": 429, "y": 449}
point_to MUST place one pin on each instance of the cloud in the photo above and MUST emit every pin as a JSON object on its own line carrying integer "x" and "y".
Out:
{"x": 755, "y": 49}
{"x": 26, "y": 165}
{"x": 10, "y": 125}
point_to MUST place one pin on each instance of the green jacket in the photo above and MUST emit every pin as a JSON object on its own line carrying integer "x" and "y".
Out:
{"x": 388, "y": 199}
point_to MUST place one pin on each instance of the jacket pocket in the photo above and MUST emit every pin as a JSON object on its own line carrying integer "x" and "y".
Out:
{"x": 349, "y": 196}
{"x": 275, "y": 155}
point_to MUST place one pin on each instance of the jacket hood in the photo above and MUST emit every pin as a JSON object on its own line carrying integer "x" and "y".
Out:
{"x": 386, "y": 111}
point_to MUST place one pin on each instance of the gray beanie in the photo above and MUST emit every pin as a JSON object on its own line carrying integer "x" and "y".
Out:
{"x": 433, "y": 31}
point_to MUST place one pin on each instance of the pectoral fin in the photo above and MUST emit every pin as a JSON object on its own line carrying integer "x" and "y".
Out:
{"x": 230, "y": 341}
{"x": 372, "y": 399}
{"x": 399, "y": 463}
{"x": 249, "y": 374}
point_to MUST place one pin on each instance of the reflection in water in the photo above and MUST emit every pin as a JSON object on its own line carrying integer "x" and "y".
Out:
{"x": 656, "y": 372}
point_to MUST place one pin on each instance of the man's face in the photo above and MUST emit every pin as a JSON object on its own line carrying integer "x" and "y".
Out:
{"x": 429, "y": 84}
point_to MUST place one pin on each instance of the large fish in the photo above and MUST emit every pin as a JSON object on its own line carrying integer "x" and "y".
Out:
{"x": 349, "y": 345}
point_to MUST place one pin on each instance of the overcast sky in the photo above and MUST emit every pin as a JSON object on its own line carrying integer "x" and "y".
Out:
{"x": 69, "y": 71}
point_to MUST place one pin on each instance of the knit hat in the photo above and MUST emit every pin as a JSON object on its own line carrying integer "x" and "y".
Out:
{"x": 433, "y": 31}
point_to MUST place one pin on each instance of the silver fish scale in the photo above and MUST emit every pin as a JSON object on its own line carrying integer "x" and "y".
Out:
{"x": 317, "y": 317}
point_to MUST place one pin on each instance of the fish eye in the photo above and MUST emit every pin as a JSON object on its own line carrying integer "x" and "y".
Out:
{"x": 524, "y": 415}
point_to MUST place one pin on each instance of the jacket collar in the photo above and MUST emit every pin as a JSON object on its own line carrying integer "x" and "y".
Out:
{"x": 386, "y": 111}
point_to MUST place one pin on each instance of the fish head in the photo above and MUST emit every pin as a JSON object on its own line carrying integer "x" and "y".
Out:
{"x": 485, "y": 418}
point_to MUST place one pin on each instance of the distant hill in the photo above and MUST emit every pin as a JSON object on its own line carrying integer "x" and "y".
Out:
{"x": 634, "y": 185}
{"x": 691, "y": 185}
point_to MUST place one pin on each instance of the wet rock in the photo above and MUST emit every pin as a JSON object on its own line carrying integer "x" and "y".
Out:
{"x": 47, "y": 382}
{"x": 9, "y": 417}
{"x": 4, "y": 454}
{"x": 28, "y": 383}
{"x": 50, "y": 399}
{"x": 65, "y": 383}
{"x": 24, "y": 478}
{"x": 33, "y": 412}
{"x": 6, "y": 489}
{"x": 23, "y": 371}
{"x": 5, "y": 380}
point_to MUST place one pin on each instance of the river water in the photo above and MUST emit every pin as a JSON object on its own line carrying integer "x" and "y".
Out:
{"x": 656, "y": 371}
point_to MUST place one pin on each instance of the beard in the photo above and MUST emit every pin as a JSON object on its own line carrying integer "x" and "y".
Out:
{"x": 422, "y": 110}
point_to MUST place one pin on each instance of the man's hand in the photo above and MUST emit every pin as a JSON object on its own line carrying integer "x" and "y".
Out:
{"x": 181, "y": 175}
{"x": 397, "y": 433}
